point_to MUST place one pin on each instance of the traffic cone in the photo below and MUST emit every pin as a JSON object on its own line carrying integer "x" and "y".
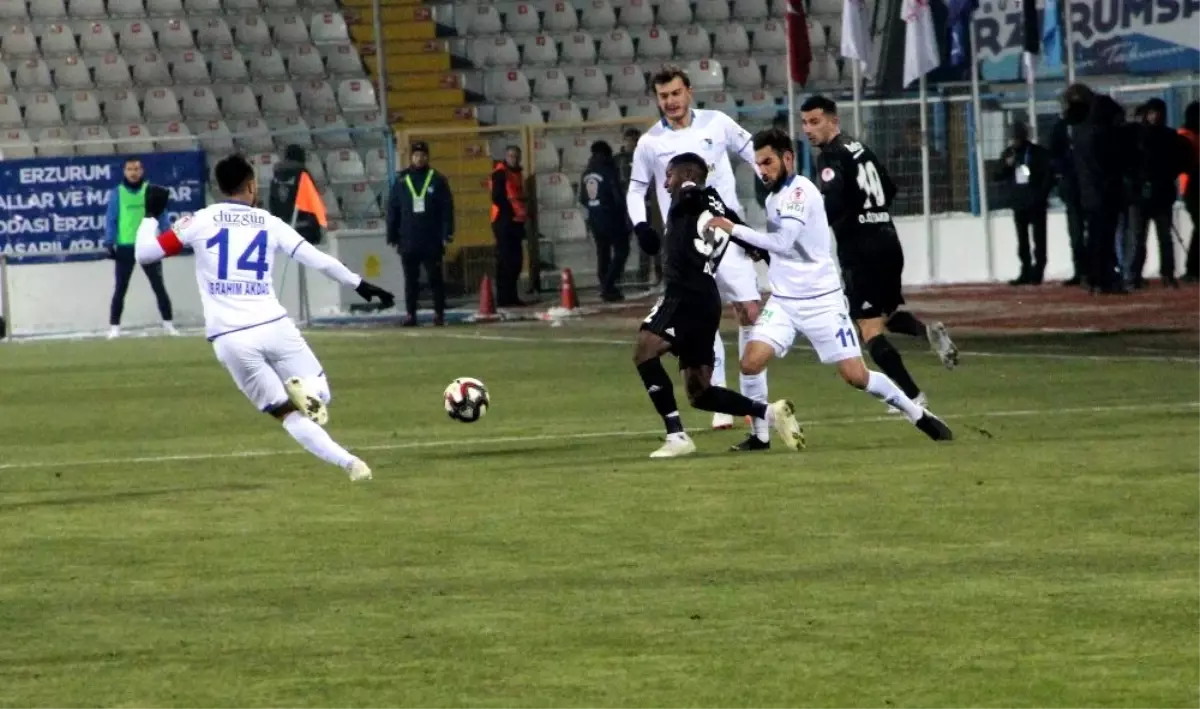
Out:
{"x": 487, "y": 300}
{"x": 570, "y": 300}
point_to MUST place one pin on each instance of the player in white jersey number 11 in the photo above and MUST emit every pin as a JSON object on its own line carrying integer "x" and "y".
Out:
{"x": 806, "y": 289}
{"x": 235, "y": 244}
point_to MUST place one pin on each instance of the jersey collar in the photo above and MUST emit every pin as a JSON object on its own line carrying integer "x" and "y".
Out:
{"x": 667, "y": 124}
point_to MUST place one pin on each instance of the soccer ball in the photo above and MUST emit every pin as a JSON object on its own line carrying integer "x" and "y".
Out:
{"x": 466, "y": 400}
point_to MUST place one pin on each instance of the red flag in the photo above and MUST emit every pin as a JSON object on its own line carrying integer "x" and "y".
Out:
{"x": 799, "y": 47}
{"x": 308, "y": 199}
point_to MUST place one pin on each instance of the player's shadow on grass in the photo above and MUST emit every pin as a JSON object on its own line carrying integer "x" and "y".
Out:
{"x": 101, "y": 498}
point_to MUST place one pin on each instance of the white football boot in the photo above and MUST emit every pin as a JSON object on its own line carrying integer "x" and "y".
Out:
{"x": 722, "y": 422}
{"x": 114, "y": 332}
{"x": 358, "y": 471}
{"x": 169, "y": 329}
{"x": 921, "y": 400}
{"x": 677, "y": 445}
{"x": 782, "y": 415}
{"x": 942, "y": 345}
{"x": 306, "y": 401}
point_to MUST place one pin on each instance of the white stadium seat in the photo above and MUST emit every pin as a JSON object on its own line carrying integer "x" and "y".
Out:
{"x": 48, "y": 10}
{"x": 330, "y": 130}
{"x": 642, "y": 107}
{"x": 637, "y": 13}
{"x": 560, "y": 16}
{"x": 251, "y": 135}
{"x": 674, "y": 13}
{"x": 359, "y": 201}
{"x": 289, "y": 30}
{"x": 519, "y": 114}
{"x": 214, "y": 32}
{"x": 164, "y": 8}
{"x": 33, "y": 74}
{"x": 604, "y": 110}
{"x": 304, "y": 62}
{"x": 598, "y": 15}
{"x": 202, "y": 7}
{"x": 723, "y": 102}
{"x": 617, "y": 46}
{"x": 174, "y": 136}
{"x": 97, "y": 37}
{"x": 485, "y": 20}
{"x": 731, "y": 39}
{"x": 522, "y": 18}
{"x": 279, "y": 99}
{"x": 776, "y": 74}
{"x": 250, "y": 32}
{"x": 377, "y": 164}
{"x": 654, "y": 44}
{"x": 242, "y": 6}
{"x": 214, "y": 136}
{"x": 706, "y": 75}
{"x": 137, "y": 36}
{"x": 499, "y": 51}
{"x": 344, "y": 166}
{"x": 750, "y": 10}
{"x": 569, "y": 225}
{"x": 693, "y": 43}
{"x": 745, "y": 73}
{"x": 550, "y": 85}
{"x": 770, "y": 38}
{"x": 160, "y": 105}
{"x": 15, "y": 144}
{"x": 508, "y": 85}
{"x": 333, "y": 209}
{"x": 590, "y": 83}
{"x": 176, "y": 35}
{"x": 288, "y": 130}
{"x": 122, "y": 106}
{"x": 190, "y": 68}
{"x": 343, "y": 60}
{"x": 759, "y": 106}
{"x": 199, "y": 102}
{"x": 83, "y": 108}
{"x": 329, "y": 28}
{"x": 816, "y": 35}
{"x": 317, "y": 96}
{"x": 126, "y": 8}
{"x": 576, "y": 154}
{"x": 629, "y": 80}
{"x": 554, "y": 190}
{"x": 266, "y": 64}
{"x": 229, "y": 65}
{"x": 579, "y": 48}
{"x": 58, "y": 39}
{"x": 6, "y": 83}
{"x": 264, "y": 166}
{"x": 10, "y": 111}
{"x": 545, "y": 155}
{"x": 712, "y": 12}
{"x": 13, "y": 10}
{"x": 540, "y": 50}
{"x": 564, "y": 112}
{"x": 72, "y": 73}
{"x": 111, "y": 71}
{"x": 93, "y": 140}
{"x": 42, "y": 109}
{"x": 150, "y": 69}
{"x": 133, "y": 138}
{"x": 356, "y": 95}
{"x": 17, "y": 41}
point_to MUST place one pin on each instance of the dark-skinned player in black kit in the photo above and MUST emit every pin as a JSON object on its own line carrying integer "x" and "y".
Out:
{"x": 858, "y": 195}
{"x": 685, "y": 319}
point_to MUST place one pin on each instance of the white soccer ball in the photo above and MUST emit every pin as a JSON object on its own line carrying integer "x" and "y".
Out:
{"x": 467, "y": 400}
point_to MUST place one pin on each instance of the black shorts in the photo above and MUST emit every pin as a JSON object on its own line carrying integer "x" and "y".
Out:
{"x": 689, "y": 322}
{"x": 872, "y": 272}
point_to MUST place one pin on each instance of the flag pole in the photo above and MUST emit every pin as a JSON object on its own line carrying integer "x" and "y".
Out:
{"x": 791, "y": 86}
{"x": 1069, "y": 41}
{"x": 926, "y": 197}
{"x": 980, "y": 168}
{"x": 1031, "y": 99}
{"x": 856, "y": 72}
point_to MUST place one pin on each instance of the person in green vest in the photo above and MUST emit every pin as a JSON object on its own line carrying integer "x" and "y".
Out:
{"x": 420, "y": 223}
{"x": 126, "y": 210}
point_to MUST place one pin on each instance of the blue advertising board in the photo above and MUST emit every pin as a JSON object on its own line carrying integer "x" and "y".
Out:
{"x": 53, "y": 209}
{"x": 1111, "y": 37}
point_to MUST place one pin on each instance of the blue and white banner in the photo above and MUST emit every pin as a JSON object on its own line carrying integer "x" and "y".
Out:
{"x": 1110, "y": 37}
{"x": 53, "y": 209}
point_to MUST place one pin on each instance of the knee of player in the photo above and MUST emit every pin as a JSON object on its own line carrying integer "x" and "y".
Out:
{"x": 747, "y": 313}
{"x": 752, "y": 366}
{"x": 854, "y": 372}
{"x": 695, "y": 386}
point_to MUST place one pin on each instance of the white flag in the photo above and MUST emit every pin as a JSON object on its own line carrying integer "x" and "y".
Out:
{"x": 920, "y": 44}
{"x": 856, "y": 42}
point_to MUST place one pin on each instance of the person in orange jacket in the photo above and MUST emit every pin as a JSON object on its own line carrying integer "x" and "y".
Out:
{"x": 509, "y": 213}
{"x": 1189, "y": 187}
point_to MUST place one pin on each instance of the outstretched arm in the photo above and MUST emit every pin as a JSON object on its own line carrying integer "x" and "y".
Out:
{"x": 309, "y": 255}
{"x": 152, "y": 246}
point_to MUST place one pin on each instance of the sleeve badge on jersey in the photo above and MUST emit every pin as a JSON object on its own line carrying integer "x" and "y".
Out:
{"x": 827, "y": 174}
{"x": 795, "y": 205}
{"x": 181, "y": 222}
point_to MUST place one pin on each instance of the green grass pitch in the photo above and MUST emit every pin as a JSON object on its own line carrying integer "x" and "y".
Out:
{"x": 163, "y": 544}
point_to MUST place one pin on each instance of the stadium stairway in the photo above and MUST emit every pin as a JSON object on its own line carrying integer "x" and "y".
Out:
{"x": 425, "y": 94}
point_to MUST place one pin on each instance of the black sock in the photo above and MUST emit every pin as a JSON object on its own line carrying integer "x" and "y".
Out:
{"x": 727, "y": 401}
{"x": 662, "y": 393}
{"x": 906, "y": 323}
{"x": 892, "y": 365}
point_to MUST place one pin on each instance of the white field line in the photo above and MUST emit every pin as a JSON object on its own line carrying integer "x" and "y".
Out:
{"x": 442, "y": 443}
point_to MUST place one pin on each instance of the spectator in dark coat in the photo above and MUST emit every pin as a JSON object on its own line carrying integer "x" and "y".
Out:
{"x": 600, "y": 192}
{"x": 1063, "y": 158}
{"x": 1162, "y": 155}
{"x": 286, "y": 184}
{"x": 1026, "y": 168}
{"x": 420, "y": 222}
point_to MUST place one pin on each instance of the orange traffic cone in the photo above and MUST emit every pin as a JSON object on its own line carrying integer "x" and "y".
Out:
{"x": 487, "y": 300}
{"x": 570, "y": 300}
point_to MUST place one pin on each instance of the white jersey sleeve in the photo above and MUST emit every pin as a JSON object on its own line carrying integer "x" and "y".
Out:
{"x": 641, "y": 175}
{"x": 289, "y": 241}
{"x": 787, "y": 239}
{"x": 738, "y": 140}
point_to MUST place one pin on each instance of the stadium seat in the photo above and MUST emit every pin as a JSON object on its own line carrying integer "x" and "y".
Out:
{"x": 202, "y": 7}
{"x": 10, "y": 112}
{"x": 637, "y": 13}
{"x": 712, "y": 12}
{"x": 214, "y": 32}
{"x": 642, "y": 107}
{"x": 629, "y": 80}
{"x": 770, "y": 38}
{"x": 654, "y": 45}
{"x": 289, "y": 30}
{"x": 199, "y": 102}
{"x": 576, "y": 153}
{"x": 266, "y": 64}
{"x": 745, "y": 179}
{"x": 540, "y": 50}
{"x": 598, "y": 16}
{"x": 706, "y": 75}
{"x": 242, "y": 6}
{"x": 317, "y": 96}
{"x": 120, "y": 9}
{"x": 333, "y": 208}
{"x": 760, "y": 106}
{"x": 522, "y": 18}
{"x": 42, "y": 109}
{"x": 835, "y": 36}
{"x": 48, "y": 10}
{"x": 176, "y": 35}
{"x": 693, "y": 43}
{"x": 501, "y": 51}
{"x": 122, "y": 106}
{"x": 751, "y": 10}
{"x": 33, "y": 74}
{"x": 560, "y": 16}
{"x": 343, "y": 60}
{"x": 190, "y": 68}
{"x": 485, "y": 20}
{"x": 13, "y": 10}
{"x": 132, "y": 138}
{"x": 304, "y": 62}
{"x": 359, "y": 201}
{"x": 82, "y": 108}
{"x": 507, "y": 85}
{"x": 214, "y": 136}
{"x": 6, "y": 84}
{"x": 617, "y": 46}
{"x": 15, "y": 144}
{"x": 279, "y": 99}
{"x": 776, "y": 75}
{"x": 550, "y": 85}
{"x": 344, "y": 166}
{"x": 376, "y": 162}
{"x": 164, "y": 8}
{"x": 731, "y": 40}
{"x": 161, "y": 105}
{"x": 356, "y": 95}
{"x": 251, "y": 135}
{"x": 745, "y": 73}
{"x": 93, "y": 140}
{"x": 72, "y": 73}
{"x": 228, "y": 65}
{"x": 250, "y": 32}
{"x": 264, "y": 167}
{"x": 289, "y": 130}
{"x": 570, "y": 226}
{"x": 579, "y": 48}
{"x": 98, "y": 37}
{"x": 564, "y": 112}
{"x": 589, "y": 82}
{"x": 604, "y": 110}
{"x": 329, "y": 28}
{"x": 554, "y": 190}
{"x": 150, "y": 69}
{"x": 312, "y": 163}
{"x": 545, "y": 154}
{"x": 674, "y": 13}
{"x": 281, "y": 5}
{"x": 519, "y": 114}
{"x": 57, "y": 40}
{"x": 174, "y": 136}
{"x": 330, "y": 130}
{"x": 137, "y": 36}
{"x": 825, "y": 7}
{"x": 237, "y": 100}
{"x": 17, "y": 41}
{"x": 723, "y": 102}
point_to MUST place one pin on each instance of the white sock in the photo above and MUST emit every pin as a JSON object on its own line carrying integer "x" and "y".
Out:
{"x": 884, "y": 389}
{"x": 321, "y": 386}
{"x": 753, "y": 386}
{"x": 315, "y": 440}
{"x": 718, "y": 373}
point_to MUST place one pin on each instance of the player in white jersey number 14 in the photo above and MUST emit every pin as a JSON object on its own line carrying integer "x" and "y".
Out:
{"x": 806, "y": 288}
{"x": 235, "y": 245}
{"x": 713, "y": 136}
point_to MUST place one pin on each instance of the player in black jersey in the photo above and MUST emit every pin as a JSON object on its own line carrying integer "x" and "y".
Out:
{"x": 858, "y": 196}
{"x": 685, "y": 319}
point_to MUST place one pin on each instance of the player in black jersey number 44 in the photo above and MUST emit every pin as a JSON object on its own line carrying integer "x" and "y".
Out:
{"x": 858, "y": 195}
{"x": 685, "y": 320}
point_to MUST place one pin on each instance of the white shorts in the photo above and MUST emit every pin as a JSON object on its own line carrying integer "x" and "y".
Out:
{"x": 260, "y": 358}
{"x": 737, "y": 279}
{"x": 825, "y": 322}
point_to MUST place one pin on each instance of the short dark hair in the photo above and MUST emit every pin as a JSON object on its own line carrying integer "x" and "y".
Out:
{"x": 669, "y": 73}
{"x": 632, "y": 133}
{"x": 233, "y": 174}
{"x": 512, "y": 147}
{"x": 775, "y": 139}
{"x": 817, "y": 101}
{"x": 129, "y": 161}
{"x": 690, "y": 160}
{"x": 601, "y": 147}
